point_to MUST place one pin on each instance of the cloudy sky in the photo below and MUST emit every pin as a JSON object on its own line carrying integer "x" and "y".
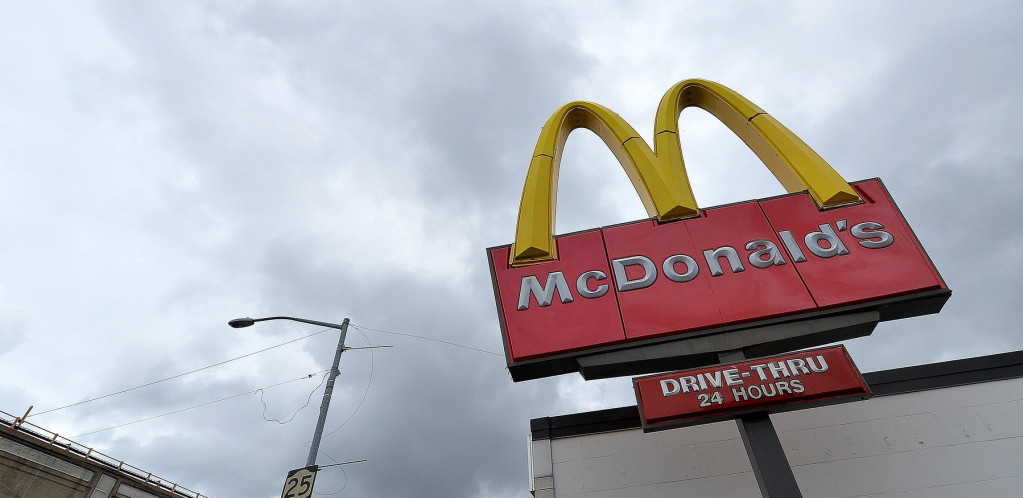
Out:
{"x": 168, "y": 166}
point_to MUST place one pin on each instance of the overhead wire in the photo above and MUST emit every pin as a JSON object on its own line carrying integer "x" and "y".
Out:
{"x": 199, "y": 405}
{"x": 405, "y": 334}
{"x": 340, "y": 466}
{"x": 369, "y": 383}
{"x": 90, "y": 400}
{"x": 325, "y": 329}
{"x": 307, "y": 400}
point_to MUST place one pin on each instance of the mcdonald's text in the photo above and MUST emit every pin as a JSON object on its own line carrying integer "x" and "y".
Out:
{"x": 639, "y": 272}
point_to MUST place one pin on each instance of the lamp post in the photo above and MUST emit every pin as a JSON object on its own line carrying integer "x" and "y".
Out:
{"x": 343, "y": 327}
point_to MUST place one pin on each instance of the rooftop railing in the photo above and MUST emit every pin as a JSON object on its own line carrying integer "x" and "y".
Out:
{"x": 57, "y": 441}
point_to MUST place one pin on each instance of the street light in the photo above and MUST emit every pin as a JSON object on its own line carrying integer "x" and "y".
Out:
{"x": 314, "y": 448}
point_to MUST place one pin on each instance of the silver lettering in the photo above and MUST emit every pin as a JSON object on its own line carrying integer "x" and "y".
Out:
{"x": 792, "y": 246}
{"x": 692, "y": 269}
{"x": 714, "y": 380}
{"x": 582, "y": 284}
{"x": 818, "y": 369}
{"x": 760, "y": 371}
{"x": 778, "y": 369}
{"x": 869, "y": 230}
{"x": 764, "y": 253}
{"x": 766, "y": 257}
{"x": 648, "y": 278}
{"x": 798, "y": 367}
{"x": 670, "y": 387}
{"x": 689, "y": 383}
{"x": 732, "y": 377}
{"x": 835, "y": 245}
{"x": 544, "y": 294}
{"x": 713, "y": 258}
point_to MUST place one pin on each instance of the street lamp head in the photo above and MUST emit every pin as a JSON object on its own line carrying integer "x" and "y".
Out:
{"x": 241, "y": 322}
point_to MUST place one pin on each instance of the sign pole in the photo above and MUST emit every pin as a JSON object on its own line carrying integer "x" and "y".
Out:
{"x": 766, "y": 456}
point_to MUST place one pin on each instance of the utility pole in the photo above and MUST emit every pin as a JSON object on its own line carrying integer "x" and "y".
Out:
{"x": 314, "y": 448}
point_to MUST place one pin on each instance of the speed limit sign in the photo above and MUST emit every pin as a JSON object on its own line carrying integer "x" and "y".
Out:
{"x": 299, "y": 483}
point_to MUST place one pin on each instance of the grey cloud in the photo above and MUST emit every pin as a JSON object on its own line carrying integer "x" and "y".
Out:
{"x": 171, "y": 168}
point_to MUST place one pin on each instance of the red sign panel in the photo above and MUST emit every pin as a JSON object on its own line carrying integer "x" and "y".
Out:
{"x": 738, "y": 265}
{"x": 777, "y": 383}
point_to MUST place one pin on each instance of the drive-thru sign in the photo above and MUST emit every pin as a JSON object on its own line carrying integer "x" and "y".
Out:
{"x": 778, "y": 383}
{"x": 828, "y": 250}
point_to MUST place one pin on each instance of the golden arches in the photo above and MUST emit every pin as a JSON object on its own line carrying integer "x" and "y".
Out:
{"x": 659, "y": 175}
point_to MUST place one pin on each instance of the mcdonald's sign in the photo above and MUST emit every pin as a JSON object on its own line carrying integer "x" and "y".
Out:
{"x": 823, "y": 263}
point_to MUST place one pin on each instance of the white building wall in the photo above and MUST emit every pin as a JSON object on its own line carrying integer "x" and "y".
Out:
{"x": 964, "y": 441}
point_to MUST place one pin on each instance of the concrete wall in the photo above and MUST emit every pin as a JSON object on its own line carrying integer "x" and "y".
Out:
{"x": 29, "y": 472}
{"x": 948, "y": 442}
{"x": 32, "y": 468}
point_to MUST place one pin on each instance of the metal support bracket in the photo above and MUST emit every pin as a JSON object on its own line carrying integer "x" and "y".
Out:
{"x": 698, "y": 351}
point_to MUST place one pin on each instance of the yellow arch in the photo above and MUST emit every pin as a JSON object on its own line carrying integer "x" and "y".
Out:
{"x": 659, "y": 175}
